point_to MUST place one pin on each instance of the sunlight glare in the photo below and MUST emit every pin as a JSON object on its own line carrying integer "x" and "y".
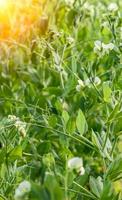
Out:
{"x": 3, "y": 3}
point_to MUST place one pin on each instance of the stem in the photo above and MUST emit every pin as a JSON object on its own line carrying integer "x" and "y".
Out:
{"x": 68, "y": 135}
{"x": 2, "y": 197}
{"x": 114, "y": 145}
{"x": 105, "y": 139}
{"x": 77, "y": 192}
{"x": 6, "y": 158}
{"x": 85, "y": 190}
{"x": 66, "y": 180}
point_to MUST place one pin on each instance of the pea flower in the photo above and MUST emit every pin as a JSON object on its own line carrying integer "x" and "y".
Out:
{"x": 112, "y": 7}
{"x": 101, "y": 48}
{"x": 88, "y": 82}
{"x": 12, "y": 117}
{"x": 97, "y": 46}
{"x": 107, "y": 47}
{"x": 70, "y": 40}
{"x": 105, "y": 24}
{"x": 97, "y": 80}
{"x": 18, "y": 124}
{"x": 79, "y": 85}
{"x": 89, "y": 8}
{"x": 23, "y": 188}
{"x": 76, "y": 163}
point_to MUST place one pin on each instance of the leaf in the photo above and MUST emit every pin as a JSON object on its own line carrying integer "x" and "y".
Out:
{"x": 2, "y": 197}
{"x": 95, "y": 140}
{"x": 16, "y": 153}
{"x": 96, "y": 185}
{"x": 52, "y": 121}
{"x": 2, "y": 155}
{"x": 71, "y": 125}
{"x": 114, "y": 170}
{"x": 107, "y": 92}
{"x": 53, "y": 187}
{"x": 108, "y": 192}
{"x": 114, "y": 112}
{"x": 65, "y": 116}
{"x": 81, "y": 123}
{"x": 74, "y": 63}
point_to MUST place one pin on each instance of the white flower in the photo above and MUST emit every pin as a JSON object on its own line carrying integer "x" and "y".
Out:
{"x": 78, "y": 88}
{"x": 22, "y": 131}
{"x": 112, "y": 7}
{"x": 88, "y": 7}
{"x": 18, "y": 124}
{"x": 97, "y": 80}
{"x": 87, "y": 82}
{"x": 79, "y": 85}
{"x": 23, "y": 188}
{"x": 80, "y": 82}
{"x": 70, "y": 39}
{"x": 107, "y": 47}
{"x": 97, "y": 46}
{"x": 101, "y": 48}
{"x": 21, "y": 127}
{"x": 77, "y": 164}
{"x": 12, "y": 117}
{"x": 105, "y": 24}
{"x": 82, "y": 171}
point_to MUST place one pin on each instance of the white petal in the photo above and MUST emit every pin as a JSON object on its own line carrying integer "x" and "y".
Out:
{"x": 113, "y": 7}
{"x": 111, "y": 46}
{"x": 82, "y": 171}
{"x": 98, "y": 44}
{"x": 81, "y": 82}
{"x": 78, "y": 88}
{"x": 87, "y": 82}
{"x": 75, "y": 163}
{"x": 97, "y": 80}
{"x": 24, "y": 187}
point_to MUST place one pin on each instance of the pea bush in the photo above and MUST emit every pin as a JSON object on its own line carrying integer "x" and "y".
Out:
{"x": 61, "y": 104}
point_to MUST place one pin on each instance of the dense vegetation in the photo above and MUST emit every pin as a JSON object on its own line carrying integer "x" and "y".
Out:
{"x": 61, "y": 101}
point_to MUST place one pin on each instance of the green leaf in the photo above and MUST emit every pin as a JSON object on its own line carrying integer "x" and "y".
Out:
{"x": 107, "y": 92}
{"x": 2, "y": 155}
{"x": 81, "y": 123}
{"x": 114, "y": 112}
{"x": 52, "y": 120}
{"x": 114, "y": 171}
{"x": 16, "y": 153}
{"x": 65, "y": 116}
{"x": 71, "y": 126}
{"x": 96, "y": 185}
{"x": 108, "y": 192}
{"x": 2, "y": 197}
{"x": 53, "y": 187}
{"x": 95, "y": 140}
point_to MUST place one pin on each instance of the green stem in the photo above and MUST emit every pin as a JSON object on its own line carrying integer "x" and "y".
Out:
{"x": 86, "y": 191}
{"x": 66, "y": 180}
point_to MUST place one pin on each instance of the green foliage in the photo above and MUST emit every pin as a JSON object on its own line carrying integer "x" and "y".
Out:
{"x": 61, "y": 105}
{"x": 81, "y": 123}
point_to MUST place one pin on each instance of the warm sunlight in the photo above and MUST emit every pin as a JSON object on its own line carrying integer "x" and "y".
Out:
{"x": 18, "y": 18}
{"x": 3, "y": 3}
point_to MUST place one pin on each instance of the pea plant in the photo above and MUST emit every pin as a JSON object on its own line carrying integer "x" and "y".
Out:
{"x": 61, "y": 104}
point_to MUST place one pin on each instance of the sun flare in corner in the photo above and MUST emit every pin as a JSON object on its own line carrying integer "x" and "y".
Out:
{"x": 3, "y": 3}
